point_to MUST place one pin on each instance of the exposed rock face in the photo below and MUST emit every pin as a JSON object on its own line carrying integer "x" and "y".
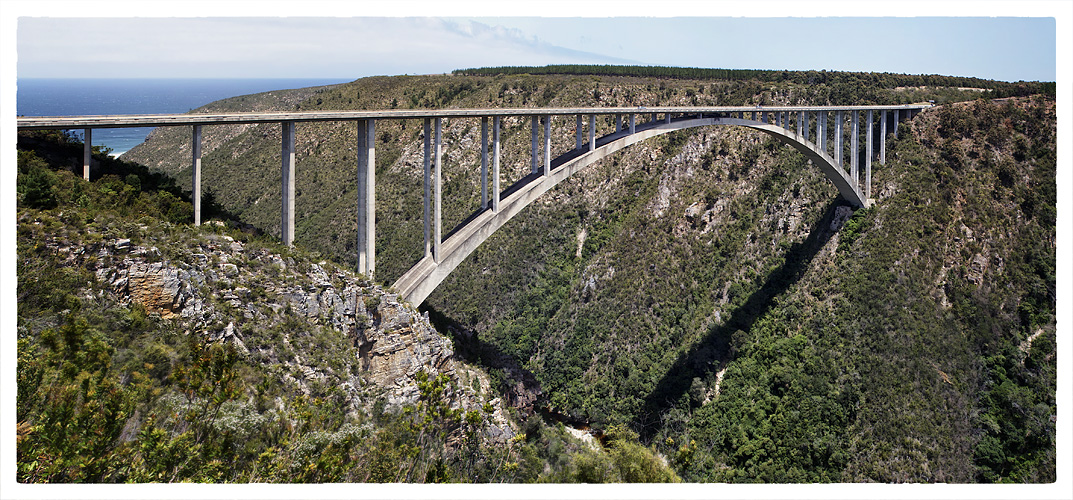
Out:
{"x": 230, "y": 292}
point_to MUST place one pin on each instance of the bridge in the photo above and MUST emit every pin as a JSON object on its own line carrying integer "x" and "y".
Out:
{"x": 805, "y": 128}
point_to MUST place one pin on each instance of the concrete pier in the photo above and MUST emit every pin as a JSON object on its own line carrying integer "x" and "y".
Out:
{"x": 821, "y": 131}
{"x": 883, "y": 138}
{"x": 547, "y": 146}
{"x": 868, "y": 159}
{"x": 287, "y": 168}
{"x": 592, "y": 133}
{"x": 87, "y": 151}
{"x": 535, "y": 161}
{"x": 577, "y": 133}
{"x": 428, "y": 186}
{"x": 855, "y": 151}
{"x": 195, "y": 164}
{"x": 495, "y": 164}
{"x": 484, "y": 162}
{"x": 437, "y": 188}
{"x": 838, "y": 139}
{"x": 633, "y": 125}
{"x": 367, "y": 197}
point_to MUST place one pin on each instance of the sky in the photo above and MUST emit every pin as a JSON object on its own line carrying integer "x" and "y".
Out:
{"x": 227, "y": 43}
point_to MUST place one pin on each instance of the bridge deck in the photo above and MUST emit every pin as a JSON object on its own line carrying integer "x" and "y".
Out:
{"x": 165, "y": 120}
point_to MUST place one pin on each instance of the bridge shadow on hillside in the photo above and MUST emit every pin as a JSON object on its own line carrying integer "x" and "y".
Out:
{"x": 708, "y": 354}
{"x": 517, "y": 386}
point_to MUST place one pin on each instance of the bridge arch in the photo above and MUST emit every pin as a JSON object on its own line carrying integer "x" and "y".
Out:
{"x": 419, "y": 281}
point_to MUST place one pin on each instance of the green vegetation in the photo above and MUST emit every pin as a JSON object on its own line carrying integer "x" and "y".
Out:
{"x": 704, "y": 297}
{"x": 811, "y": 77}
{"x": 109, "y": 391}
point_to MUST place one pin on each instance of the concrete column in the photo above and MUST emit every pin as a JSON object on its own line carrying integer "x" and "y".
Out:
{"x": 592, "y": 132}
{"x": 897, "y": 118}
{"x": 868, "y": 159}
{"x": 804, "y": 128}
{"x": 754, "y": 116}
{"x": 667, "y": 118}
{"x": 484, "y": 162}
{"x": 618, "y": 123}
{"x": 367, "y": 197}
{"x": 534, "y": 160}
{"x": 821, "y": 128}
{"x": 437, "y": 188}
{"x": 854, "y": 147}
{"x": 287, "y": 223}
{"x": 547, "y": 145}
{"x": 577, "y": 132}
{"x": 883, "y": 138}
{"x": 495, "y": 164}
{"x": 838, "y": 139}
{"x": 87, "y": 151}
{"x": 428, "y": 187}
{"x": 195, "y": 189}
{"x": 633, "y": 125}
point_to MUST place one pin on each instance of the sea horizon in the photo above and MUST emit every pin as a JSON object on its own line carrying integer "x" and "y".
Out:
{"x": 91, "y": 96}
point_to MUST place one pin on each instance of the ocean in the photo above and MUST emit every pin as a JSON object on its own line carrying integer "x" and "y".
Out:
{"x": 102, "y": 96}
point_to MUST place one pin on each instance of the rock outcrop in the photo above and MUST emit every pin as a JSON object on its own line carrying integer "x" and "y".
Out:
{"x": 274, "y": 308}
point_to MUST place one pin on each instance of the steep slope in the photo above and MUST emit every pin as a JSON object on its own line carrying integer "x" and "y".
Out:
{"x": 708, "y": 289}
{"x": 150, "y": 350}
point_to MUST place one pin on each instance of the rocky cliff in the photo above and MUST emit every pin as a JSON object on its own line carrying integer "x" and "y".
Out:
{"x": 316, "y": 324}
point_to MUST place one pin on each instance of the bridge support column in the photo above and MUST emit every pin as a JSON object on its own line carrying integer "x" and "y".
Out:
{"x": 592, "y": 133}
{"x": 577, "y": 132}
{"x": 495, "y": 165}
{"x": 667, "y": 118}
{"x": 838, "y": 140}
{"x": 367, "y": 197}
{"x": 547, "y": 145}
{"x": 428, "y": 187}
{"x": 536, "y": 131}
{"x": 821, "y": 131}
{"x": 897, "y": 118}
{"x": 868, "y": 160}
{"x": 484, "y": 162}
{"x": 87, "y": 151}
{"x": 883, "y": 138}
{"x": 802, "y": 130}
{"x": 195, "y": 164}
{"x": 287, "y": 168}
{"x": 437, "y": 187}
{"x": 854, "y": 147}
{"x": 618, "y": 123}
{"x": 633, "y": 125}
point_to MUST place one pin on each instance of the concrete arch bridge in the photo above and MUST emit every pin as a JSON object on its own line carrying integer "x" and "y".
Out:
{"x": 806, "y": 128}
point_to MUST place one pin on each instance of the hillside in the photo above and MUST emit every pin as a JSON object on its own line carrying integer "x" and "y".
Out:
{"x": 153, "y": 351}
{"x": 707, "y": 290}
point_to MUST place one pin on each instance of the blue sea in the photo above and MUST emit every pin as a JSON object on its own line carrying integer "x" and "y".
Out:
{"x": 99, "y": 96}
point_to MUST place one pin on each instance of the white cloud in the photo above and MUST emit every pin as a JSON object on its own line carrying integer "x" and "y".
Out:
{"x": 307, "y": 47}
